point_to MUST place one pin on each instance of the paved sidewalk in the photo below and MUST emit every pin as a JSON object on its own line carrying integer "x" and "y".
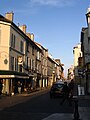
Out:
{"x": 84, "y": 111}
{"x": 84, "y": 114}
{"x": 58, "y": 116}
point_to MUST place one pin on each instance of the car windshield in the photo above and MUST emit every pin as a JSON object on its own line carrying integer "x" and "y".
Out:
{"x": 57, "y": 85}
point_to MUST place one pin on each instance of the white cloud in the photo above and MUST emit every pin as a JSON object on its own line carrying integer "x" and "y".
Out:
{"x": 53, "y": 2}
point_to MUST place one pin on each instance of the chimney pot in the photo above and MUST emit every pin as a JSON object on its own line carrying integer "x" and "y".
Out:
{"x": 9, "y": 16}
{"x": 23, "y": 28}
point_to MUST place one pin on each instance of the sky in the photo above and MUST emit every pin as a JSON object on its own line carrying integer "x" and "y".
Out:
{"x": 56, "y": 24}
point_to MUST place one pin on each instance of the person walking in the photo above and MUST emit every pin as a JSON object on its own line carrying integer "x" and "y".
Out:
{"x": 1, "y": 86}
{"x": 71, "y": 88}
{"x": 65, "y": 91}
{"x": 19, "y": 87}
{"x": 71, "y": 91}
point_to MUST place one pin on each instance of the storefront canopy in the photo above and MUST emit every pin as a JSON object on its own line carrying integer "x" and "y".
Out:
{"x": 13, "y": 74}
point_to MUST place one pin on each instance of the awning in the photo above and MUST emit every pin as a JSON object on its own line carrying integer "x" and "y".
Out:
{"x": 13, "y": 74}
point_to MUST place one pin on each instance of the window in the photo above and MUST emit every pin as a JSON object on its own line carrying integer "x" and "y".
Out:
{"x": 16, "y": 64}
{"x": 80, "y": 54}
{"x": 38, "y": 55}
{"x": 12, "y": 63}
{"x": 37, "y": 67}
{"x": 20, "y": 68}
{"x": 88, "y": 40}
{"x": 21, "y": 46}
{"x": 43, "y": 61}
{"x": 27, "y": 47}
{"x": 13, "y": 40}
{"x": 32, "y": 50}
{"x": 43, "y": 71}
{"x": 27, "y": 62}
{"x": 33, "y": 64}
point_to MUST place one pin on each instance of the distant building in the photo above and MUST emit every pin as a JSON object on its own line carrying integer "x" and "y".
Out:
{"x": 77, "y": 53}
{"x": 55, "y": 70}
{"x": 70, "y": 73}
{"x": 77, "y": 61}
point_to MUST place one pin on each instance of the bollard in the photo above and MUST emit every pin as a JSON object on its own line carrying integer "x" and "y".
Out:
{"x": 76, "y": 113}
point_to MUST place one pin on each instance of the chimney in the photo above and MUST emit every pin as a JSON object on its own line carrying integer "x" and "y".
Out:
{"x": 32, "y": 36}
{"x": 29, "y": 35}
{"x": 9, "y": 16}
{"x": 23, "y": 28}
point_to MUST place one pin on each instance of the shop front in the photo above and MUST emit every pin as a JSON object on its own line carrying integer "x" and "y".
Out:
{"x": 10, "y": 80}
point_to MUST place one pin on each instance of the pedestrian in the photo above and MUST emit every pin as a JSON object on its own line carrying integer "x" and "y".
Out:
{"x": 19, "y": 87}
{"x": 71, "y": 88}
{"x": 65, "y": 91}
{"x": 1, "y": 87}
{"x": 71, "y": 91}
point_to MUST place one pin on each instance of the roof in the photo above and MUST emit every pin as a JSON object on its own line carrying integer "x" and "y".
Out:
{"x": 4, "y": 19}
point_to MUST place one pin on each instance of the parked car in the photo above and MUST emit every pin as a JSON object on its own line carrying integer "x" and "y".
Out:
{"x": 56, "y": 89}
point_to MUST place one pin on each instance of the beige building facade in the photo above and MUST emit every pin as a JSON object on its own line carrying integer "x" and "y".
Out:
{"x": 54, "y": 70}
{"x": 22, "y": 60}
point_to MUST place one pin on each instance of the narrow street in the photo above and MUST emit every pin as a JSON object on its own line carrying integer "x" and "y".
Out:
{"x": 36, "y": 108}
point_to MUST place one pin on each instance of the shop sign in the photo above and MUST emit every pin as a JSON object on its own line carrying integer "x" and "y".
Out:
{"x": 20, "y": 60}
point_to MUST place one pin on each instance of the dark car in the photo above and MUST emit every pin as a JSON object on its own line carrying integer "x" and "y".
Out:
{"x": 56, "y": 89}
